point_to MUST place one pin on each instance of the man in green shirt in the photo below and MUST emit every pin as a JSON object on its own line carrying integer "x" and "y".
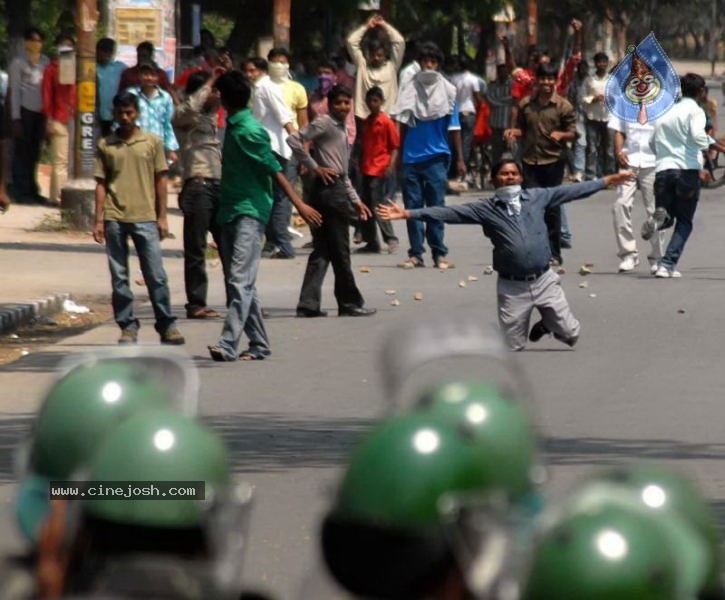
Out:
{"x": 245, "y": 204}
{"x": 131, "y": 202}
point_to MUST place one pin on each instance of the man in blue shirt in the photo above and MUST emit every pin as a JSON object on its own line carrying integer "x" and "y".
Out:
{"x": 427, "y": 107}
{"x": 108, "y": 73}
{"x": 156, "y": 109}
{"x": 513, "y": 219}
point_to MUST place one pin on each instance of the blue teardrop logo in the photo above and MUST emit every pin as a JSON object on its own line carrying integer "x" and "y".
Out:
{"x": 644, "y": 86}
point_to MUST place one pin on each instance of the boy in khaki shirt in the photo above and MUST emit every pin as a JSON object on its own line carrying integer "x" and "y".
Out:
{"x": 131, "y": 202}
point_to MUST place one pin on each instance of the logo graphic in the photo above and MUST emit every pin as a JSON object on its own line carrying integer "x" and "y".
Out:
{"x": 644, "y": 86}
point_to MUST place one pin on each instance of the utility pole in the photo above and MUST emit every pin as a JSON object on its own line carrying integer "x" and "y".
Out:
{"x": 281, "y": 23}
{"x": 78, "y": 196}
{"x": 715, "y": 36}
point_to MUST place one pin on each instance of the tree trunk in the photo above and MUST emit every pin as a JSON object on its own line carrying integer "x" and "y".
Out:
{"x": 461, "y": 35}
{"x": 487, "y": 35}
{"x": 254, "y": 19}
{"x": 18, "y": 19}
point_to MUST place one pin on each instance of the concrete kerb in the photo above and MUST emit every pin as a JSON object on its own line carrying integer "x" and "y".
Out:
{"x": 15, "y": 315}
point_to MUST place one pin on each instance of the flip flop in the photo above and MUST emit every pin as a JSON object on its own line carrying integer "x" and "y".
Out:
{"x": 203, "y": 313}
{"x": 247, "y": 356}
{"x": 217, "y": 354}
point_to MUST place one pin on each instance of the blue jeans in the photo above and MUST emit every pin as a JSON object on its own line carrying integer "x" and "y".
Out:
{"x": 579, "y": 146}
{"x": 241, "y": 252}
{"x": 145, "y": 237}
{"x": 424, "y": 184}
{"x": 677, "y": 191}
{"x": 565, "y": 232}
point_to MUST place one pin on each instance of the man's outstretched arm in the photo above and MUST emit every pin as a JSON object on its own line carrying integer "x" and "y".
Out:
{"x": 577, "y": 191}
{"x": 460, "y": 214}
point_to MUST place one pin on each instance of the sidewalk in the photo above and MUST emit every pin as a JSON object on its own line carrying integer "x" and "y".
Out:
{"x": 42, "y": 268}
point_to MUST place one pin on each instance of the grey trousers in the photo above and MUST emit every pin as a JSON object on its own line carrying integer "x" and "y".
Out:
{"x": 517, "y": 300}
{"x": 622, "y": 212}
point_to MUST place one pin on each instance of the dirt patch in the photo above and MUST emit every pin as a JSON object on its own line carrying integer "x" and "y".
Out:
{"x": 51, "y": 330}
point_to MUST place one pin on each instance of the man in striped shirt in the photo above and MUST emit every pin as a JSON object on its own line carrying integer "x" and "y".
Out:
{"x": 156, "y": 108}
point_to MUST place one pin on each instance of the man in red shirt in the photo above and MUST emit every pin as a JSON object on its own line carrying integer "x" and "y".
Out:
{"x": 58, "y": 106}
{"x": 380, "y": 144}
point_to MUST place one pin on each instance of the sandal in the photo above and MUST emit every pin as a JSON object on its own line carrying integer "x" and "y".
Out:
{"x": 443, "y": 263}
{"x": 412, "y": 263}
{"x": 203, "y": 313}
{"x": 217, "y": 354}
{"x": 246, "y": 356}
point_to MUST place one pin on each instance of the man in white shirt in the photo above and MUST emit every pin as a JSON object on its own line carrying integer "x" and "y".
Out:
{"x": 632, "y": 151}
{"x": 468, "y": 94}
{"x": 408, "y": 72}
{"x": 597, "y": 116}
{"x": 270, "y": 109}
{"x": 28, "y": 122}
{"x": 679, "y": 140}
{"x": 376, "y": 66}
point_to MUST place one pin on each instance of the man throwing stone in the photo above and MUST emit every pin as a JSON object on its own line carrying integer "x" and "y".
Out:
{"x": 513, "y": 219}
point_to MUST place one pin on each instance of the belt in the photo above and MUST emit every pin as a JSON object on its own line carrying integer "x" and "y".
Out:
{"x": 203, "y": 180}
{"x": 530, "y": 277}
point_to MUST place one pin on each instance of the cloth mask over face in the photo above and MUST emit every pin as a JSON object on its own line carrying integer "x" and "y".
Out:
{"x": 511, "y": 196}
{"x": 325, "y": 83}
{"x": 278, "y": 71}
{"x": 428, "y": 76}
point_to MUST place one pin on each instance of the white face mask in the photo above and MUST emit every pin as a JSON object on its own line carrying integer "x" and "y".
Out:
{"x": 508, "y": 191}
{"x": 511, "y": 195}
{"x": 427, "y": 76}
{"x": 278, "y": 71}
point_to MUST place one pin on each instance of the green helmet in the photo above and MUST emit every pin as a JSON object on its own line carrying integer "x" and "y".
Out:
{"x": 159, "y": 445}
{"x": 78, "y": 413}
{"x": 501, "y": 424}
{"x": 602, "y": 546}
{"x": 689, "y": 519}
{"x": 383, "y": 537}
{"x": 83, "y": 408}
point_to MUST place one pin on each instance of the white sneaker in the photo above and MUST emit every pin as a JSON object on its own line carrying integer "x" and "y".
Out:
{"x": 629, "y": 263}
{"x": 653, "y": 266}
{"x": 665, "y": 273}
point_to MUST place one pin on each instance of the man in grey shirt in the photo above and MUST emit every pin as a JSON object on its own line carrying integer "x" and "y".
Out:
{"x": 201, "y": 151}
{"x": 333, "y": 196}
{"x": 26, "y": 115}
{"x": 513, "y": 219}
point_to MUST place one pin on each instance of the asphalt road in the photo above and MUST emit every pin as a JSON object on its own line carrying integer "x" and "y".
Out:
{"x": 645, "y": 381}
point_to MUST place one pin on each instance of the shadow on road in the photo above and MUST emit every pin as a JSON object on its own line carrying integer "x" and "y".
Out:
{"x": 601, "y": 451}
{"x": 13, "y": 430}
{"x": 81, "y": 248}
{"x": 264, "y": 442}
{"x": 257, "y": 442}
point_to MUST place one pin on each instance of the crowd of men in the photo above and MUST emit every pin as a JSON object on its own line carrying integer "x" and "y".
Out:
{"x": 363, "y": 127}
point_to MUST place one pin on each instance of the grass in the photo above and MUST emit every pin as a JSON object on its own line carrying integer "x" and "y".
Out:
{"x": 52, "y": 223}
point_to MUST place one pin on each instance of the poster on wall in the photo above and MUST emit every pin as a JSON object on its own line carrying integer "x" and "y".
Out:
{"x": 136, "y": 21}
